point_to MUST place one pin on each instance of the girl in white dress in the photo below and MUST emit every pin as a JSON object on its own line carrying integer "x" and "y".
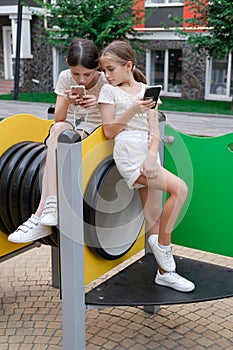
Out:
{"x": 133, "y": 123}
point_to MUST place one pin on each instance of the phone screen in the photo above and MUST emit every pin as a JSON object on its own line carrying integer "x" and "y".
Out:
{"x": 78, "y": 90}
{"x": 153, "y": 92}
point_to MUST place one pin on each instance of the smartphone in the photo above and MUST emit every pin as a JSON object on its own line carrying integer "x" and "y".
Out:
{"x": 79, "y": 90}
{"x": 152, "y": 92}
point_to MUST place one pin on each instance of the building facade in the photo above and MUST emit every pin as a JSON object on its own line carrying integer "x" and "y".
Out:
{"x": 36, "y": 55}
{"x": 166, "y": 59}
{"x": 174, "y": 64}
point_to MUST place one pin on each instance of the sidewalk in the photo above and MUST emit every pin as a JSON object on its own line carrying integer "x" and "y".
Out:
{"x": 31, "y": 313}
{"x": 31, "y": 309}
{"x": 190, "y": 123}
{"x": 8, "y": 108}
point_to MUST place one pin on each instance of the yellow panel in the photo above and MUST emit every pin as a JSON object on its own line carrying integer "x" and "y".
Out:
{"x": 95, "y": 149}
{"x": 7, "y": 247}
{"x": 95, "y": 266}
{"x": 26, "y": 127}
{"x": 14, "y": 129}
{"x": 22, "y": 127}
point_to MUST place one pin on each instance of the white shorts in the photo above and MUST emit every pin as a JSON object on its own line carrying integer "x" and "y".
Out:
{"x": 130, "y": 150}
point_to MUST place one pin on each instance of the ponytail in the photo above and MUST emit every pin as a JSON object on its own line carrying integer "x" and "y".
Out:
{"x": 139, "y": 76}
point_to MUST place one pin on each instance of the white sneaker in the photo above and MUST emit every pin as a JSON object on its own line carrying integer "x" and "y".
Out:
{"x": 175, "y": 281}
{"x": 30, "y": 230}
{"x": 163, "y": 257}
{"x": 49, "y": 213}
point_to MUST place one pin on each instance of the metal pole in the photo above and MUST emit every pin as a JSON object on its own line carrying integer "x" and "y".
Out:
{"x": 17, "y": 56}
{"x": 71, "y": 244}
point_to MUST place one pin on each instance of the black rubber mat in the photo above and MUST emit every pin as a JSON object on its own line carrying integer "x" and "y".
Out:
{"x": 134, "y": 286}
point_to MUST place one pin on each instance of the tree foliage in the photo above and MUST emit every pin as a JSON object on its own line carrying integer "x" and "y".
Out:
{"x": 99, "y": 20}
{"x": 216, "y": 19}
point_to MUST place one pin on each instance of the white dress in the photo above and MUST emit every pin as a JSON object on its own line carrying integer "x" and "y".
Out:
{"x": 132, "y": 144}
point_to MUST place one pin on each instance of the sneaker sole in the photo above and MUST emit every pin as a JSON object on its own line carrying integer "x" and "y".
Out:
{"x": 28, "y": 241}
{"x": 48, "y": 223}
{"x": 179, "y": 290}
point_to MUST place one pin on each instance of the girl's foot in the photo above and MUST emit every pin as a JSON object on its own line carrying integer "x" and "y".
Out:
{"x": 175, "y": 281}
{"x": 163, "y": 257}
{"x": 49, "y": 213}
{"x": 31, "y": 230}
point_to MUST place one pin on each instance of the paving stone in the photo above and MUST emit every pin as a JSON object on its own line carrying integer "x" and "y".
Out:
{"x": 31, "y": 314}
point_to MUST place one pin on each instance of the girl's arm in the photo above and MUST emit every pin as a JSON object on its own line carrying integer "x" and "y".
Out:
{"x": 112, "y": 126}
{"x": 154, "y": 134}
{"x": 149, "y": 166}
{"x": 61, "y": 108}
{"x": 62, "y": 103}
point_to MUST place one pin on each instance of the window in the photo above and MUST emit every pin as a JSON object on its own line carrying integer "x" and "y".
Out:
{"x": 218, "y": 78}
{"x": 165, "y": 68}
{"x": 156, "y": 2}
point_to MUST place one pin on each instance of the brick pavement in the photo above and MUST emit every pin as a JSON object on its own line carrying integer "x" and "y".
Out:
{"x": 31, "y": 317}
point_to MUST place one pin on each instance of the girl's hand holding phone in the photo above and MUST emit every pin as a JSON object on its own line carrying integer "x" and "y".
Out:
{"x": 88, "y": 101}
{"x": 143, "y": 106}
{"x": 72, "y": 98}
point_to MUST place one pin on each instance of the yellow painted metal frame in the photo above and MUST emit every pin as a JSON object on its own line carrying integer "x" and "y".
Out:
{"x": 95, "y": 148}
{"x": 15, "y": 129}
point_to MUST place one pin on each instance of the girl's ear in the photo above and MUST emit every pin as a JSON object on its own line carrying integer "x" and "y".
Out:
{"x": 99, "y": 68}
{"x": 129, "y": 65}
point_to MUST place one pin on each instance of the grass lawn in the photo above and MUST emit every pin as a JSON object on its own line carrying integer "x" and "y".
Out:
{"x": 197, "y": 106}
{"x": 43, "y": 97}
{"x": 169, "y": 104}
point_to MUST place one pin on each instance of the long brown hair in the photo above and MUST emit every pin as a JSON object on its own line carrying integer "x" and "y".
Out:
{"x": 120, "y": 51}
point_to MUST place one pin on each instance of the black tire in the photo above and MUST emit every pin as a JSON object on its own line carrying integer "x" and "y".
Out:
{"x": 120, "y": 216}
{"x": 6, "y": 178}
{"x": 22, "y": 170}
{"x": 16, "y": 183}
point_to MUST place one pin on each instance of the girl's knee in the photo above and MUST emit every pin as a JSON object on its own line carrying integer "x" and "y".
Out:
{"x": 55, "y": 131}
{"x": 183, "y": 190}
{"x": 59, "y": 127}
{"x": 180, "y": 190}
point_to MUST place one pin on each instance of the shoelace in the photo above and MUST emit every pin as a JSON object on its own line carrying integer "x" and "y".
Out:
{"x": 175, "y": 275}
{"x": 30, "y": 223}
{"x": 169, "y": 255}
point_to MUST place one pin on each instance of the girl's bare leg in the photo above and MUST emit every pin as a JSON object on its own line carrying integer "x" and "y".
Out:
{"x": 177, "y": 190}
{"x": 151, "y": 201}
{"x": 49, "y": 181}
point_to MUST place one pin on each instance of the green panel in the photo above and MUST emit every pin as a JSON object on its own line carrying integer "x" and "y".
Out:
{"x": 206, "y": 165}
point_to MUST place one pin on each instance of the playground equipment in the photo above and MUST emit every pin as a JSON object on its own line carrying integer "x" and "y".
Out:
{"x": 206, "y": 165}
{"x": 22, "y": 156}
{"x": 101, "y": 222}
{"x": 133, "y": 285}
